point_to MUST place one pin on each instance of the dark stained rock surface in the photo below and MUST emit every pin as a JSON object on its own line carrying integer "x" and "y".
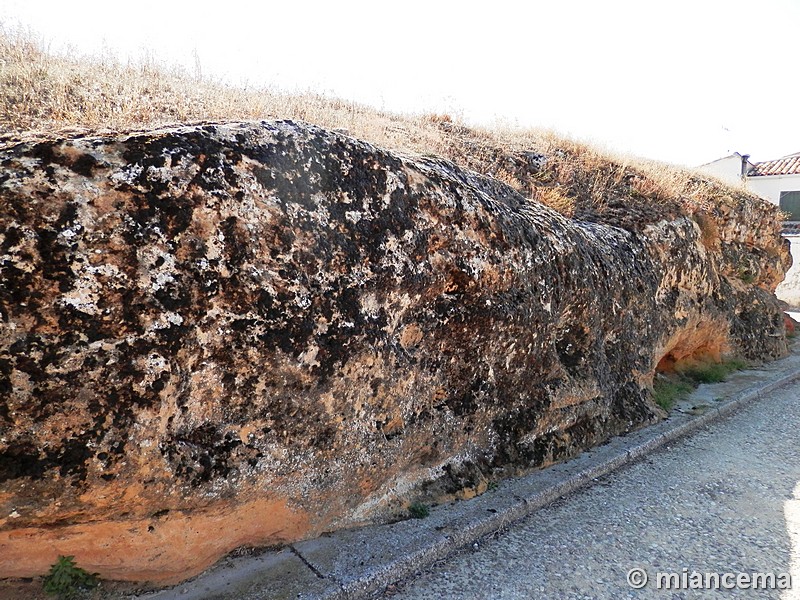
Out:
{"x": 252, "y": 333}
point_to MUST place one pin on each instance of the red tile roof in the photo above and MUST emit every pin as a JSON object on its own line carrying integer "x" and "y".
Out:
{"x": 788, "y": 165}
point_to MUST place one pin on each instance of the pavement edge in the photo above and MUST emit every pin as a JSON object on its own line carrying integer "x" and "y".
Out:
{"x": 652, "y": 438}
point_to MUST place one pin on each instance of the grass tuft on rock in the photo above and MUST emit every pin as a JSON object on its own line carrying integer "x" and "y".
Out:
{"x": 418, "y": 510}
{"x": 668, "y": 389}
{"x": 713, "y": 372}
{"x": 67, "y": 581}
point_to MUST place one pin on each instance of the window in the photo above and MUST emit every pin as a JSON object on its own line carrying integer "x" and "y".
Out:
{"x": 790, "y": 202}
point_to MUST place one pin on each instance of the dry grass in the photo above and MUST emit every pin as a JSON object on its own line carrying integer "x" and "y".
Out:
{"x": 50, "y": 94}
{"x": 43, "y": 95}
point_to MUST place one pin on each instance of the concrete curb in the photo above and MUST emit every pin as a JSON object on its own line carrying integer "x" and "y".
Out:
{"x": 355, "y": 564}
{"x": 410, "y": 563}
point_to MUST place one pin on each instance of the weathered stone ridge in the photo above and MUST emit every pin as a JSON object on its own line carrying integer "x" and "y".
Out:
{"x": 789, "y": 289}
{"x": 271, "y": 330}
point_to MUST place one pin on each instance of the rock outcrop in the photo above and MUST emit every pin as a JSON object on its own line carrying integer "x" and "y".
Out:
{"x": 789, "y": 289}
{"x": 237, "y": 334}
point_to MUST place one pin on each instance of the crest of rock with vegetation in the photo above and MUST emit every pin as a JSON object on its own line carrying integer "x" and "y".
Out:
{"x": 250, "y": 333}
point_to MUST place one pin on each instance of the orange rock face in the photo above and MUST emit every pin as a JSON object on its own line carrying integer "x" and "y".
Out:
{"x": 248, "y": 334}
{"x": 166, "y": 547}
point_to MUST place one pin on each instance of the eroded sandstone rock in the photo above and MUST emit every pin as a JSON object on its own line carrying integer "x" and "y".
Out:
{"x": 789, "y": 288}
{"x": 252, "y": 333}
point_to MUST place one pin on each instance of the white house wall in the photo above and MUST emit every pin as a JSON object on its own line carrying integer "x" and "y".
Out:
{"x": 728, "y": 169}
{"x": 771, "y": 186}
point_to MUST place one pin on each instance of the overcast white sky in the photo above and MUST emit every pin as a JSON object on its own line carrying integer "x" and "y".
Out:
{"x": 685, "y": 81}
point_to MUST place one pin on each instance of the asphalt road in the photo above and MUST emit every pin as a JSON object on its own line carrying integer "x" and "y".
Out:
{"x": 725, "y": 500}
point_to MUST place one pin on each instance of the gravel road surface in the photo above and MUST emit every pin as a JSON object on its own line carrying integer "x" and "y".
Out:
{"x": 724, "y": 500}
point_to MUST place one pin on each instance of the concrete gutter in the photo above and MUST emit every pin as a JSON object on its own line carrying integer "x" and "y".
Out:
{"x": 358, "y": 563}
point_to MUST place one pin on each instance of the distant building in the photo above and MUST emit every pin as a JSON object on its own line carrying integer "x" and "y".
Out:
{"x": 777, "y": 180}
{"x": 730, "y": 169}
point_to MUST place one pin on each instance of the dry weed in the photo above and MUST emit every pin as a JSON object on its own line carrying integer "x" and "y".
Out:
{"x": 45, "y": 94}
